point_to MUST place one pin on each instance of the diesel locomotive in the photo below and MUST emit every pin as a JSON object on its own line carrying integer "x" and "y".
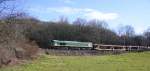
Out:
{"x": 58, "y": 44}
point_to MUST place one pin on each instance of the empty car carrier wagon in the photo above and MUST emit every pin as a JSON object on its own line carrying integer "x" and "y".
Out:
{"x": 57, "y": 44}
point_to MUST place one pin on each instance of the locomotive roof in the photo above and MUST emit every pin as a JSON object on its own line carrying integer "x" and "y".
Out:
{"x": 70, "y": 41}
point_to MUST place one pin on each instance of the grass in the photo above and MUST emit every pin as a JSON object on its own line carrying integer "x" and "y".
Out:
{"x": 123, "y": 62}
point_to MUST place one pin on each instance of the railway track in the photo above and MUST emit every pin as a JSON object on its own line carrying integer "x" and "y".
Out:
{"x": 81, "y": 52}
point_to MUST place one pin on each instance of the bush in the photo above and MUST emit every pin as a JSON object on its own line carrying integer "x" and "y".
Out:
{"x": 14, "y": 44}
{"x": 26, "y": 50}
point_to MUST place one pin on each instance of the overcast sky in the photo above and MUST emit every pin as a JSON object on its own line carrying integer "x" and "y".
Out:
{"x": 116, "y": 12}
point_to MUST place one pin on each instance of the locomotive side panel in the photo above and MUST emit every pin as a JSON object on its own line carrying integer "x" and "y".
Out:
{"x": 70, "y": 44}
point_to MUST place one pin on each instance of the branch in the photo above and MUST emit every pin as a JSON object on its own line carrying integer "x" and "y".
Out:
{"x": 2, "y": 1}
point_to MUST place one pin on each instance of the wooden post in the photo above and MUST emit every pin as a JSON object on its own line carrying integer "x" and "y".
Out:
{"x": 113, "y": 48}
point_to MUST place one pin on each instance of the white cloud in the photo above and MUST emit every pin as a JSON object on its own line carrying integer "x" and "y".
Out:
{"x": 101, "y": 16}
{"x": 67, "y": 1}
{"x": 86, "y": 13}
{"x": 64, "y": 10}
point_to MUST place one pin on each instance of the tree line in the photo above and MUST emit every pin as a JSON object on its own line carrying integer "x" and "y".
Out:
{"x": 81, "y": 30}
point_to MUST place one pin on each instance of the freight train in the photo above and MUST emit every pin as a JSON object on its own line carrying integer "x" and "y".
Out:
{"x": 76, "y": 45}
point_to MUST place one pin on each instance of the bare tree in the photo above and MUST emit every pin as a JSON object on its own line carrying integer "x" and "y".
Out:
{"x": 126, "y": 31}
{"x": 10, "y": 31}
{"x": 80, "y": 22}
{"x": 7, "y": 7}
{"x": 147, "y": 36}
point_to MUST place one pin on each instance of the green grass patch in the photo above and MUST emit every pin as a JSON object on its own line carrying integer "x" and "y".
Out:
{"x": 122, "y": 62}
